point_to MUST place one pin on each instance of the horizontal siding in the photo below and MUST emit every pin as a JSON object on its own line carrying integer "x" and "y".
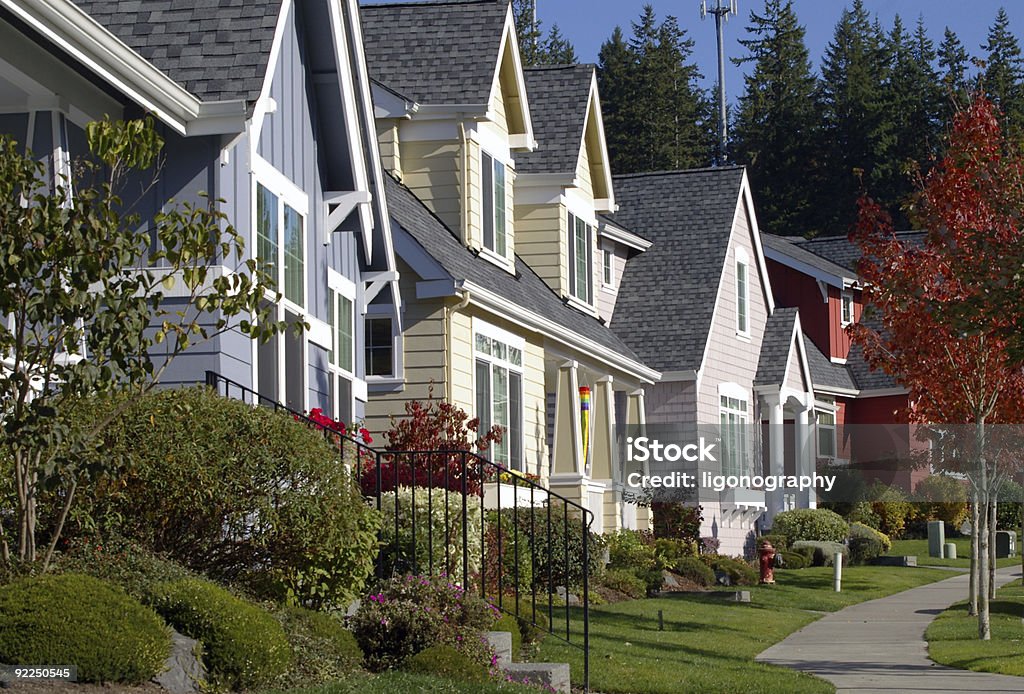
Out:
{"x": 540, "y": 242}
{"x": 432, "y": 171}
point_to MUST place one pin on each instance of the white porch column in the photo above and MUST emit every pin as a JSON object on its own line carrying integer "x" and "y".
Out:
{"x": 777, "y": 451}
{"x": 567, "y": 457}
{"x": 636, "y": 423}
{"x": 604, "y": 454}
{"x": 805, "y": 456}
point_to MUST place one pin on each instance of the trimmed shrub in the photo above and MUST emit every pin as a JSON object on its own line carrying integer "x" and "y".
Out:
{"x": 324, "y": 650}
{"x": 121, "y": 562}
{"x": 625, "y": 581}
{"x": 81, "y": 620}
{"x": 823, "y": 552}
{"x": 412, "y": 613}
{"x": 806, "y": 552}
{"x": 241, "y": 493}
{"x": 243, "y": 646}
{"x": 735, "y": 570}
{"x": 532, "y": 524}
{"x": 794, "y": 560}
{"x": 866, "y": 543}
{"x": 510, "y": 624}
{"x": 815, "y": 524}
{"x": 892, "y": 508}
{"x": 447, "y": 662}
{"x": 695, "y": 570}
{"x": 631, "y": 550}
{"x": 436, "y": 544}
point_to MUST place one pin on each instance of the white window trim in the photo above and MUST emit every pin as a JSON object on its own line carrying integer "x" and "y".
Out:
{"x": 733, "y": 391}
{"x": 345, "y": 288}
{"x": 610, "y": 285}
{"x": 497, "y": 258}
{"x": 397, "y": 361}
{"x": 819, "y": 427}
{"x": 511, "y": 340}
{"x": 582, "y": 304}
{"x": 741, "y": 258}
{"x": 843, "y": 297}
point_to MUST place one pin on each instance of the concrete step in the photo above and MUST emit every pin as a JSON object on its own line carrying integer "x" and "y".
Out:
{"x": 554, "y": 675}
{"x": 501, "y": 642}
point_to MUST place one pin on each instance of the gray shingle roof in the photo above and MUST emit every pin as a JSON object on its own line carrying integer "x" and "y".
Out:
{"x": 524, "y": 289}
{"x": 800, "y": 252}
{"x": 775, "y": 346}
{"x": 863, "y": 375}
{"x": 441, "y": 52}
{"x": 558, "y": 107}
{"x": 824, "y": 372}
{"x": 844, "y": 252}
{"x": 667, "y": 295}
{"x": 216, "y": 49}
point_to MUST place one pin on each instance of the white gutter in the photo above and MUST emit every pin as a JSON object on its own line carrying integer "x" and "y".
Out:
{"x": 855, "y": 393}
{"x": 492, "y": 302}
{"x": 74, "y": 31}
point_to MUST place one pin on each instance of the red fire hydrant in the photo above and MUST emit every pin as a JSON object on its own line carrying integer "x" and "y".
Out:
{"x": 767, "y": 558}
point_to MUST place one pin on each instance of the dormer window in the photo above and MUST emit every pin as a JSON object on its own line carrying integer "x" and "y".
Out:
{"x": 581, "y": 260}
{"x": 846, "y": 299}
{"x": 742, "y": 293}
{"x": 494, "y": 214}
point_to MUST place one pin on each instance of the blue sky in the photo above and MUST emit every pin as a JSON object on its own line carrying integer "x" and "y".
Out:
{"x": 587, "y": 23}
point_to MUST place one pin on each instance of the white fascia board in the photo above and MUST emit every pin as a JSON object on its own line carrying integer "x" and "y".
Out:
{"x": 797, "y": 338}
{"x": 619, "y": 235}
{"x": 422, "y": 263}
{"x": 524, "y": 140}
{"x": 675, "y": 376}
{"x": 859, "y": 394}
{"x": 594, "y": 102}
{"x": 805, "y": 269}
{"x": 492, "y": 302}
{"x": 452, "y": 111}
{"x": 746, "y": 204}
{"x": 388, "y": 103}
{"x": 83, "y": 38}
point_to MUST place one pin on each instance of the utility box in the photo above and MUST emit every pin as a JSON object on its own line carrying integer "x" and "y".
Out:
{"x": 936, "y": 538}
{"x": 1006, "y": 544}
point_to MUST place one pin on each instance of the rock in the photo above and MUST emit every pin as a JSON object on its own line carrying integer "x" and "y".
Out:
{"x": 501, "y": 642}
{"x": 553, "y": 675}
{"x": 184, "y": 672}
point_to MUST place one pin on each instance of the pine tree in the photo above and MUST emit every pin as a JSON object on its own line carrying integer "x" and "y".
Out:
{"x": 534, "y": 49}
{"x": 908, "y": 133}
{"x": 853, "y": 71}
{"x": 657, "y": 117}
{"x": 954, "y": 62}
{"x": 777, "y": 118}
{"x": 1004, "y": 71}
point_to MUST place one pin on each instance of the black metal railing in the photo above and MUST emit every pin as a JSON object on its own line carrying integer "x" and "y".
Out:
{"x": 501, "y": 534}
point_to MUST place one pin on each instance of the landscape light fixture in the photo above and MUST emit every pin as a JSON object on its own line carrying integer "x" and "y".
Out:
{"x": 721, "y": 9}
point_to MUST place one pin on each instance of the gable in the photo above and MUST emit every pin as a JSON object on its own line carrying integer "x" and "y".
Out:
{"x": 594, "y": 160}
{"x": 796, "y": 378}
{"x": 508, "y": 91}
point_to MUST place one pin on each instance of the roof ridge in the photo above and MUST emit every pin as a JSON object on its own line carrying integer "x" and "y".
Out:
{"x": 677, "y": 172}
{"x": 563, "y": 66}
{"x": 415, "y": 3}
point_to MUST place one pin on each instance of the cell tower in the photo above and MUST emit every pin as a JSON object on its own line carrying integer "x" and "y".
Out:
{"x": 721, "y": 9}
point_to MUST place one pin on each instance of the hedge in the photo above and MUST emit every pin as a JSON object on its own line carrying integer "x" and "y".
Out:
{"x": 815, "y": 524}
{"x": 824, "y": 552}
{"x": 244, "y": 647}
{"x": 81, "y": 620}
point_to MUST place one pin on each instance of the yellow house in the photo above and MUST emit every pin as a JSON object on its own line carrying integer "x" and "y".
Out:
{"x": 496, "y": 190}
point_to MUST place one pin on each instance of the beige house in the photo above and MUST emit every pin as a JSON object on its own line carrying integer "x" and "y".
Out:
{"x": 497, "y": 184}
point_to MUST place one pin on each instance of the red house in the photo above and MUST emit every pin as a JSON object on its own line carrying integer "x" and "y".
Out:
{"x": 860, "y": 412}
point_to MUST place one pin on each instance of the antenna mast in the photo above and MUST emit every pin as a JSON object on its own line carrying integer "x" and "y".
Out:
{"x": 721, "y": 9}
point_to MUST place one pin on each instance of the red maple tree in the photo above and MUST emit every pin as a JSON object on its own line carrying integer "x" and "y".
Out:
{"x": 942, "y": 329}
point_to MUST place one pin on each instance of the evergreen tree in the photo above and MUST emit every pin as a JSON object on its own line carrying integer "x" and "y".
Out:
{"x": 1004, "y": 71}
{"x": 657, "y": 117}
{"x": 911, "y": 112}
{"x": 534, "y": 48}
{"x": 850, "y": 95}
{"x": 776, "y": 120}
{"x": 953, "y": 61}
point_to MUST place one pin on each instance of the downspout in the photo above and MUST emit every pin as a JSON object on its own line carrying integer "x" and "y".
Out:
{"x": 449, "y": 311}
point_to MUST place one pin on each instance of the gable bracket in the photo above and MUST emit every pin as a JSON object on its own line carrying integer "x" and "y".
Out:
{"x": 338, "y": 205}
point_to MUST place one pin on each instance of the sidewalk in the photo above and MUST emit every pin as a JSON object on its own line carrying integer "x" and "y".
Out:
{"x": 879, "y": 646}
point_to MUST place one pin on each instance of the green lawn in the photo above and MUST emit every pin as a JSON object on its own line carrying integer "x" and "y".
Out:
{"x": 963, "y": 553}
{"x": 709, "y": 645}
{"x": 406, "y": 683}
{"x": 953, "y": 637}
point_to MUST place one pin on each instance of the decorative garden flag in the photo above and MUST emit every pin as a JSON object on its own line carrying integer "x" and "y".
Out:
{"x": 585, "y": 420}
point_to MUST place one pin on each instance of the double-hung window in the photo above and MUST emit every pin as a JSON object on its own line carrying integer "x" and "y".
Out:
{"x": 734, "y": 422}
{"x": 494, "y": 214}
{"x": 826, "y": 433}
{"x": 846, "y": 302}
{"x": 581, "y": 261}
{"x": 499, "y": 394}
{"x": 607, "y": 267}
{"x": 742, "y": 298}
{"x": 280, "y": 244}
{"x": 341, "y": 294}
{"x": 380, "y": 346}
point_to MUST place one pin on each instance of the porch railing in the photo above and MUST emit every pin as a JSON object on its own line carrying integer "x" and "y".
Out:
{"x": 504, "y": 536}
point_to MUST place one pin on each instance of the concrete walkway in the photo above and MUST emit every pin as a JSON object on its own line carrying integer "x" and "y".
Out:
{"x": 879, "y": 646}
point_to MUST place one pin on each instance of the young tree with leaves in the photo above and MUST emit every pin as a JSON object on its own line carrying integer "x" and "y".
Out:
{"x": 86, "y": 298}
{"x": 941, "y": 334}
{"x": 777, "y": 118}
